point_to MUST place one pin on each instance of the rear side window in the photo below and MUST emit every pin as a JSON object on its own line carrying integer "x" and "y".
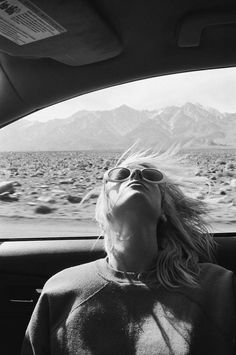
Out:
{"x": 52, "y": 162}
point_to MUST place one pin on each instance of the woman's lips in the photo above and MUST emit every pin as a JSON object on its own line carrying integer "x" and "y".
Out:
{"x": 137, "y": 183}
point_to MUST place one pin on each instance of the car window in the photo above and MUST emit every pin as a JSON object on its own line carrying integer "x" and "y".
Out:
{"x": 53, "y": 161}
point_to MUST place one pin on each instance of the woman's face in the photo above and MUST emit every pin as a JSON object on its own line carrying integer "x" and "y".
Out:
{"x": 135, "y": 195}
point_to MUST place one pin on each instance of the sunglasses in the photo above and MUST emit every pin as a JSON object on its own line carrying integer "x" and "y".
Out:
{"x": 121, "y": 174}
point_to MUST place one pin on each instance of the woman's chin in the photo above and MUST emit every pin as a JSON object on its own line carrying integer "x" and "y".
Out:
{"x": 133, "y": 195}
{"x": 135, "y": 201}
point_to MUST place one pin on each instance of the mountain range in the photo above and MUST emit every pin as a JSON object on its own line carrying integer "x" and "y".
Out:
{"x": 189, "y": 124}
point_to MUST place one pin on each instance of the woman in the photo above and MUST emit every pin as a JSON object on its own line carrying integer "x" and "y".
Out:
{"x": 151, "y": 295}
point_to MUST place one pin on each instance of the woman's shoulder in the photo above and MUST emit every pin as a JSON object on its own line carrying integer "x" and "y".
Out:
{"x": 215, "y": 292}
{"x": 213, "y": 269}
{"x": 68, "y": 289}
{"x": 74, "y": 279}
{"x": 213, "y": 276}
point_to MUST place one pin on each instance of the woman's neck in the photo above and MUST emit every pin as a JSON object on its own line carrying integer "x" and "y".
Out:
{"x": 134, "y": 249}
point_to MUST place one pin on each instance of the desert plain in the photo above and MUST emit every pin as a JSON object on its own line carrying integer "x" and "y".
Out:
{"x": 54, "y": 193}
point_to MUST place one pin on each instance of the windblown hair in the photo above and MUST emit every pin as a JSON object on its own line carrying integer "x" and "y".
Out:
{"x": 182, "y": 235}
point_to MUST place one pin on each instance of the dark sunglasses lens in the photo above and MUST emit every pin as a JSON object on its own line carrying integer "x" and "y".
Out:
{"x": 152, "y": 175}
{"x": 119, "y": 174}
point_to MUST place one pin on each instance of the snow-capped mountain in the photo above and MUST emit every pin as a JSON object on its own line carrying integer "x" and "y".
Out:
{"x": 122, "y": 126}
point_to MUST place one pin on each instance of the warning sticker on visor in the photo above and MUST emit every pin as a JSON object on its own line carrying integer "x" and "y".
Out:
{"x": 22, "y": 22}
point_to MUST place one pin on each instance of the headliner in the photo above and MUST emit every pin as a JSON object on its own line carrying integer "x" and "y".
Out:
{"x": 137, "y": 39}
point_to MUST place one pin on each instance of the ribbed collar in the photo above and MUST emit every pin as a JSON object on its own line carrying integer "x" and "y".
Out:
{"x": 109, "y": 273}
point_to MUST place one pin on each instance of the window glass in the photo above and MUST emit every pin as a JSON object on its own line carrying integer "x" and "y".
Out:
{"x": 53, "y": 161}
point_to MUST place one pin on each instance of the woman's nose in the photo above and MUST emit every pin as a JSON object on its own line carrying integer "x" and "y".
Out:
{"x": 136, "y": 174}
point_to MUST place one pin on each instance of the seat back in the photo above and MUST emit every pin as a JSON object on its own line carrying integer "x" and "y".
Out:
{"x": 226, "y": 252}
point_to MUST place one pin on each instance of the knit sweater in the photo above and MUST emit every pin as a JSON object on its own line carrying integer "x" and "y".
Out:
{"x": 94, "y": 309}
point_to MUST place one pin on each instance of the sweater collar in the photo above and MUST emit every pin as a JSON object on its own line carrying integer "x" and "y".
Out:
{"x": 109, "y": 273}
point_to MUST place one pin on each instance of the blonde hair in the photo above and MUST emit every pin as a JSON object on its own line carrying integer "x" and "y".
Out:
{"x": 182, "y": 233}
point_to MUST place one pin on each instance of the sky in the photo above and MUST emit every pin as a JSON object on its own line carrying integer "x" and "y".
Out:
{"x": 215, "y": 88}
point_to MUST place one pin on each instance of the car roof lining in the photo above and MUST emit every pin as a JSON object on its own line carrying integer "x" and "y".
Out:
{"x": 193, "y": 25}
{"x": 148, "y": 39}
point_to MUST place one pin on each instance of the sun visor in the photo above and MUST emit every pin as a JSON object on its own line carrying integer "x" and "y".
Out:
{"x": 71, "y": 32}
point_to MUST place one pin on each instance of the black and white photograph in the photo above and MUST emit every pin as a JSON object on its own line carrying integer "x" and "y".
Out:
{"x": 117, "y": 177}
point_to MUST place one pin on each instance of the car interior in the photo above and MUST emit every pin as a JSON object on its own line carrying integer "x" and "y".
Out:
{"x": 86, "y": 46}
